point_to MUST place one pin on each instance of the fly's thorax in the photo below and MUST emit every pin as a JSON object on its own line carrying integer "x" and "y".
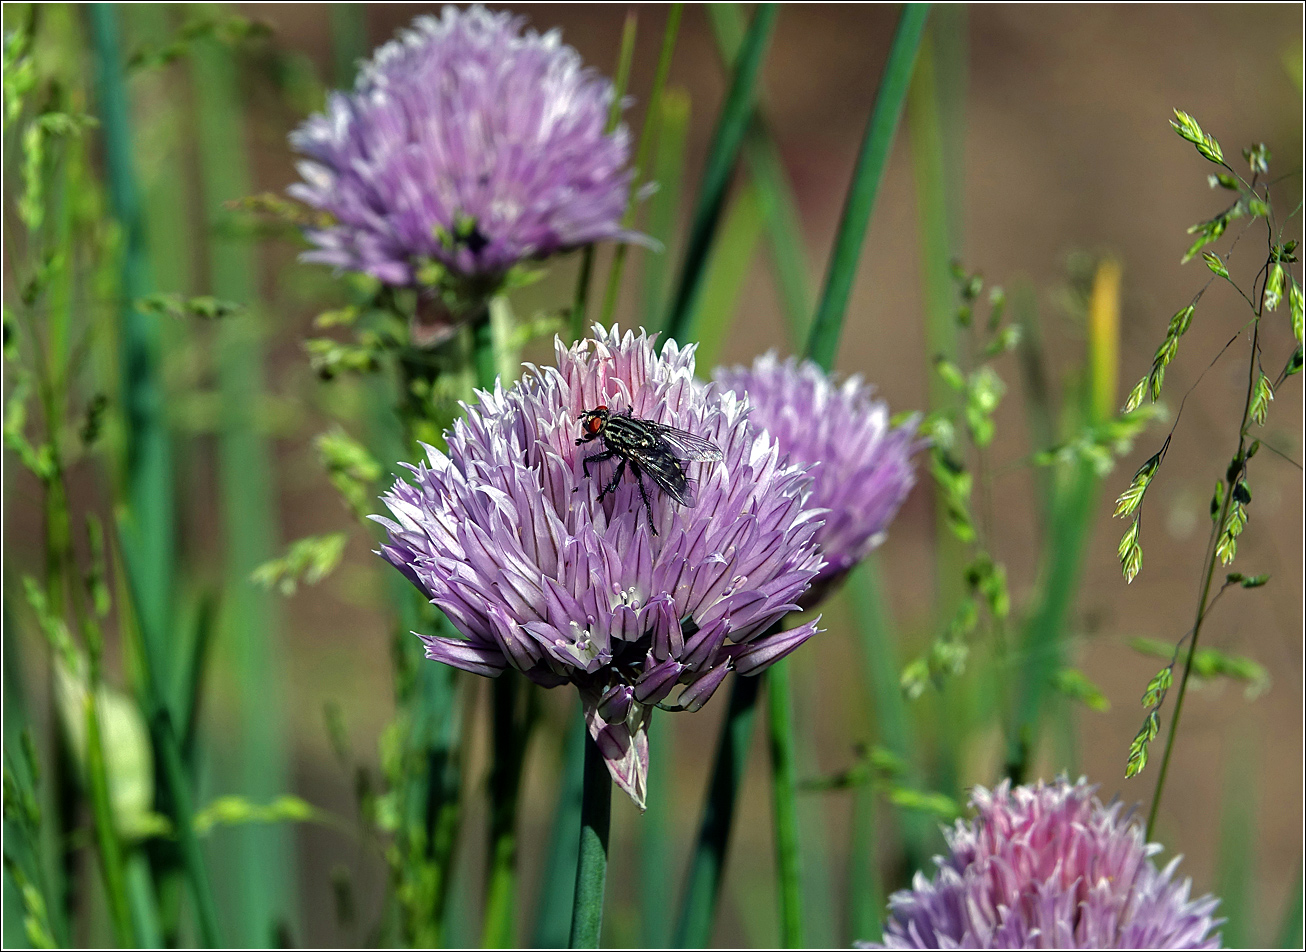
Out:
{"x": 623, "y": 432}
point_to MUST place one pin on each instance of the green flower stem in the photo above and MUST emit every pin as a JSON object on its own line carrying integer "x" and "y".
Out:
{"x": 656, "y": 881}
{"x": 592, "y": 858}
{"x": 106, "y": 837}
{"x": 1231, "y": 479}
{"x": 173, "y": 777}
{"x": 1290, "y": 931}
{"x": 109, "y": 846}
{"x": 881, "y": 664}
{"x": 499, "y": 927}
{"x": 509, "y": 735}
{"x": 663, "y": 207}
{"x": 553, "y": 904}
{"x": 722, "y": 153}
{"x": 149, "y": 544}
{"x": 1071, "y": 506}
{"x": 822, "y": 343}
{"x": 784, "y": 800}
{"x": 256, "y": 863}
{"x": 624, "y": 60}
{"x": 775, "y": 194}
{"x": 703, "y": 884}
{"x": 649, "y": 131}
{"x": 348, "y": 41}
{"x": 865, "y": 889}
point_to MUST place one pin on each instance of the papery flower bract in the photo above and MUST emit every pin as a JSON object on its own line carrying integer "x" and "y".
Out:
{"x": 467, "y": 142}
{"x": 1048, "y": 866}
{"x": 860, "y": 465}
{"x": 509, "y": 539}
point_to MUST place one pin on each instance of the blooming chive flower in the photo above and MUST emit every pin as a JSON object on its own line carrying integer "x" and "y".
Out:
{"x": 861, "y": 466}
{"x": 508, "y": 537}
{"x": 467, "y": 143}
{"x": 1048, "y": 866}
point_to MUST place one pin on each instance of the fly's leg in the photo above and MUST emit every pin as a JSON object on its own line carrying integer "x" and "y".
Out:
{"x": 594, "y": 458}
{"x": 643, "y": 493}
{"x": 616, "y": 478}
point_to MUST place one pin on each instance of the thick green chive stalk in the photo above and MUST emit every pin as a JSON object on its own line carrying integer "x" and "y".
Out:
{"x": 707, "y": 864}
{"x": 557, "y": 885}
{"x": 624, "y": 61}
{"x": 592, "y": 858}
{"x": 728, "y": 269}
{"x": 147, "y": 536}
{"x": 650, "y": 131}
{"x": 509, "y": 733}
{"x": 1073, "y": 503}
{"x": 722, "y": 153}
{"x": 932, "y": 108}
{"x": 823, "y": 341}
{"x": 784, "y": 786}
{"x": 264, "y": 886}
{"x": 175, "y": 783}
{"x": 668, "y": 172}
{"x": 775, "y": 193}
{"x": 149, "y": 542}
{"x": 699, "y": 906}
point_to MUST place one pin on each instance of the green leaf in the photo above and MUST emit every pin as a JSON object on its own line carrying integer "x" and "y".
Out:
{"x": 1261, "y": 397}
{"x": 1295, "y": 308}
{"x": 950, "y": 373}
{"x": 1160, "y": 683}
{"x": 823, "y": 339}
{"x": 1133, "y": 495}
{"x": 939, "y": 804}
{"x": 310, "y": 559}
{"x": 1074, "y": 685}
{"x": 915, "y": 678}
{"x": 129, "y": 760}
{"x": 1179, "y": 323}
{"x": 236, "y": 811}
{"x": 1215, "y": 264}
{"x": 351, "y": 468}
{"x": 1273, "y": 293}
{"x": 1226, "y": 546}
{"x": 205, "y": 307}
{"x": 329, "y": 357}
{"x": 1136, "y": 395}
{"x": 51, "y": 624}
{"x": 1258, "y": 159}
{"x": 727, "y": 139}
{"x": 1188, "y": 128}
{"x": 1006, "y": 339}
{"x": 1294, "y": 364}
{"x": 1131, "y": 553}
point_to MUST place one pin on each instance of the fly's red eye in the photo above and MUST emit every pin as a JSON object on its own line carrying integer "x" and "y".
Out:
{"x": 592, "y": 424}
{"x": 600, "y": 409}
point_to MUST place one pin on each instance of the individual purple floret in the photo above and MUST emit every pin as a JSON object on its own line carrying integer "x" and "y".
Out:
{"x": 861, "y": 466}
{"x": 1045, "y": 867}
{"x": 511, "y": 541}
{"x": 465, "y": 142}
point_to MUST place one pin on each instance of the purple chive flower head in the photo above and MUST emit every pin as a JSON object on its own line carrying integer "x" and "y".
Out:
{"x": 1048, "y": 866}
{"x": 468, "y": 143}
{"x": 860, "y": 464}
{"x": 510, "y": 540}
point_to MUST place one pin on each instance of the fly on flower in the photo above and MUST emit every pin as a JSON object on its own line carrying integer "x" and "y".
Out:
{"x": 647, "y": 447}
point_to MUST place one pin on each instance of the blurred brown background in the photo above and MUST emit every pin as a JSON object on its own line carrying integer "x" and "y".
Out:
{"x": 1067, "y": 149}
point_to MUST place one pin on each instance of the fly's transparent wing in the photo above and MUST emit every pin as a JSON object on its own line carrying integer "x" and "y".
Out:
{"x": 669, "y": 474}
{"x": 687, "y": 446}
